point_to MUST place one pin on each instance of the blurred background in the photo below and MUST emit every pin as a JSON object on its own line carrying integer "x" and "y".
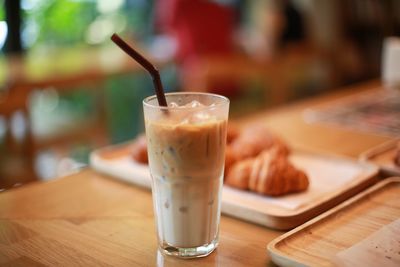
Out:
{"x": 65, "y": 89}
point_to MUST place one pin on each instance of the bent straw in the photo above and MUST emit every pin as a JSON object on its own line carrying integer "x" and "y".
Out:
{"x": 145, "y": 64}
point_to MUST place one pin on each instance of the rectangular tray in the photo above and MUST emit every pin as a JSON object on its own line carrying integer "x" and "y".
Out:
{"x": 316, "y": 242}
{"x": 332, "y": 180}
{"x": 383, "y": 156}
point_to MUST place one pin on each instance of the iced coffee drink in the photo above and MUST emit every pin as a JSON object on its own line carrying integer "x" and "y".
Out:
{"x": 186, "y": 145}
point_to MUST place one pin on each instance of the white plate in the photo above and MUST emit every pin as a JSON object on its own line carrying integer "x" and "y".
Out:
{"x": 332, "y": 180}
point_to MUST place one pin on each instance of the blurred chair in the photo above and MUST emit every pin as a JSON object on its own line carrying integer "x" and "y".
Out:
{"x": 16, "y": 159}
{"x": 22, "y": 142}
{"x": 102, "y": 75}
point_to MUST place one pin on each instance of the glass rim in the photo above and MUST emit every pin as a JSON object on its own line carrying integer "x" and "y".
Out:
{"x": 152, "y": 97}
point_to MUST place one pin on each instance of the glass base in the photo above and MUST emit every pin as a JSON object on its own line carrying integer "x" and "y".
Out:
{"x": 188, "y": 253}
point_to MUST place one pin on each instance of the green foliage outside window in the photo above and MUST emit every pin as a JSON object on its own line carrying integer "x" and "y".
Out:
{"x": 77, "y": 22}
{"x": 2, "y": 15}
{"x": 58, "y": 22}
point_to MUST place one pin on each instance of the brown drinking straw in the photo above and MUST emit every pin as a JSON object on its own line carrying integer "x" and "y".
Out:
{"x": 145, "y": 64}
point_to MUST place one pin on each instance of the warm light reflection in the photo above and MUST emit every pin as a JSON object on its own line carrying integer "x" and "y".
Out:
{"x": 107, "y": 6}
{"x": 3, "y": 33}
{"x": 30, "y": 33}
{"x": 31, "y": 4}
{"x": 102, "y": 28}
{"x": 2, "y": 128}
{"x": 18, "y": 125}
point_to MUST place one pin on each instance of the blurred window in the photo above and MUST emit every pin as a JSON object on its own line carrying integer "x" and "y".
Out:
{"x": 2, "y": 15}
{"x": 57, "y": 23}
{"x": 3, "y": 25}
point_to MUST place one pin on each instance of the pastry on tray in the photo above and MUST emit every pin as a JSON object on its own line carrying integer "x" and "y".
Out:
{"x": 250, "y": 143}
{"x": 253, "y": 140}
{"x": 255, "y": 160}
{"x": 232, "y": 133}
{"x": 139, "y": 149}
{"x": 270, "y": 173}
{"x": 397, "y": 155}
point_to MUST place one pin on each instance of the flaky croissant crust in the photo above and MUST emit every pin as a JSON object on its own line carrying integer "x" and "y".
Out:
{"x": 255, "y": 139}
{"x": 270, "y": 173}
{"x": 397, "y": 155}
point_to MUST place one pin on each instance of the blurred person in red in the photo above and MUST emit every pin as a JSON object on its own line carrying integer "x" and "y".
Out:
{"x": 202, "y": 29}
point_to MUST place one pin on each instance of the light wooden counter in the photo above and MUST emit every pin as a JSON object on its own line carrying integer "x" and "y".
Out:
{"x": 90, "y": 220}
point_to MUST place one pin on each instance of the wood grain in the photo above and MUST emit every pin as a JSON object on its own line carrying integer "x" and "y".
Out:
{"x": 87, "y": 219}
{"x": 318, "y": 241}
{"x": 288, "y": 122}
{"x": 91, "y": 220}
{"x": 383, "y": 156}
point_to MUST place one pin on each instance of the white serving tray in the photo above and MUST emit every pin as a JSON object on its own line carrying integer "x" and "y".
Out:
{"x": 332, "y": 180}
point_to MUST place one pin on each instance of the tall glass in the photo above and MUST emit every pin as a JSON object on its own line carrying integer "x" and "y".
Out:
{"x": 186, "y": 147}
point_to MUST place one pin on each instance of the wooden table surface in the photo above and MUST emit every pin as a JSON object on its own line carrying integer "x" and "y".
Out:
{"x": 91, "y": 220}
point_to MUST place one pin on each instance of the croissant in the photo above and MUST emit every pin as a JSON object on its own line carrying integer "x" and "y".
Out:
{"x": 139, "y": 149}
{"x": 232, "y": 133}
{"x": 255, "y": 139}
{"x": 397, "y": 156}
{"x": 270, "y": 173}
{"x": 230, "y": 159}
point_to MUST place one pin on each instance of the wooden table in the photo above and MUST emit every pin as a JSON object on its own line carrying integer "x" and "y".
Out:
{"x": 89, "y": 219}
